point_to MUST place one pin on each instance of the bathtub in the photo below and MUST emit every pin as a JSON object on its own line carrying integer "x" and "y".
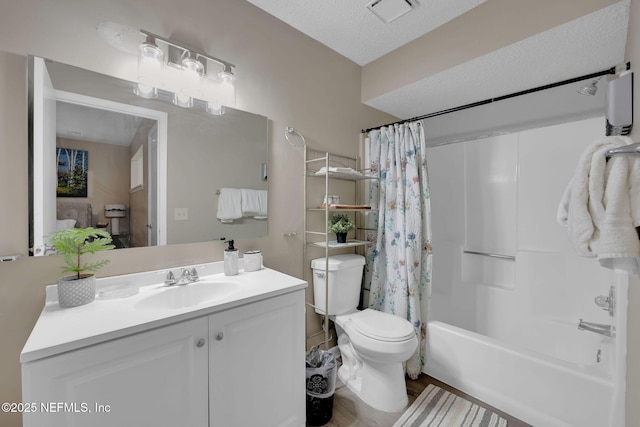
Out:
{"x": 504, "y": 329}
{"x": 538, "y": 388}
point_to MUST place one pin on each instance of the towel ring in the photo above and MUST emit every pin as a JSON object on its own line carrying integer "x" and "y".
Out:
{"x": 292, "y": 131}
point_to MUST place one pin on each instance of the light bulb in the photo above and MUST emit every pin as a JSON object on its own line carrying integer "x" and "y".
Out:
{"x": 192, "y": 65}
{"x": 192, "y": 77}
{"x": 226, "y": 75}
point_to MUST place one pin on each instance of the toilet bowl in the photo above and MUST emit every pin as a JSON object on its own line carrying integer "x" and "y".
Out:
{"x": 373, "y": 345}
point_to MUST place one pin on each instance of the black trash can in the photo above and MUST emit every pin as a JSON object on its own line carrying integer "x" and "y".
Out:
{"x": 321, "y": 385}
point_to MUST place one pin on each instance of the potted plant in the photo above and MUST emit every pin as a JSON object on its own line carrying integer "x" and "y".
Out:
{"x": 341, "y": 224}
{"x": 78, "y": 288}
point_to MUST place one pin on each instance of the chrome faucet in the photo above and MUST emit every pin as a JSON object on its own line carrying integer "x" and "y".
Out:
{"x": 46, "y": 250}
{"x": 186, "y": 277}
{"x": 598, "y": 328}
{"x": 607, "y": 303}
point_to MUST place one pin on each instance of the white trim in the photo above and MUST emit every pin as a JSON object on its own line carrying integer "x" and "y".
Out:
{"x": 137, "y": 169}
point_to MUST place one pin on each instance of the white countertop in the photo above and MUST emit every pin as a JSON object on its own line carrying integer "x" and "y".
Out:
{"x": 63, "y": 329}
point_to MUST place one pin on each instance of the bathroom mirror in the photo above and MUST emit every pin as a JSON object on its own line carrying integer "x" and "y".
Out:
{"x": 180, "y": 158}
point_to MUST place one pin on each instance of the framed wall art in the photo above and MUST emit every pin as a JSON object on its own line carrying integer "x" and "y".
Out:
{"x": 72, "y": 168}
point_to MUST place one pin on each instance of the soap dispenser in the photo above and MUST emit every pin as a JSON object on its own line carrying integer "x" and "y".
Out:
{"x": 230, "y": 260}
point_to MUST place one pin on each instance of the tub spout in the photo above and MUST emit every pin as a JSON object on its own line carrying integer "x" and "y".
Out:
{"x": 598, "y": 328}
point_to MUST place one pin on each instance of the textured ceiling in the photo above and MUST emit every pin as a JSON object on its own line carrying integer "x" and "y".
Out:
{"x": 591, "y": 43}
{"x": 349, "y": 28}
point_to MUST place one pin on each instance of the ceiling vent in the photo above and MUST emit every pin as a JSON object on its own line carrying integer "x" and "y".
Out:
{"x": 390, "y": 10}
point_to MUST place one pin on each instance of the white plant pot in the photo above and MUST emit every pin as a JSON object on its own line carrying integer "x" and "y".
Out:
{"x": 73, "y": 292}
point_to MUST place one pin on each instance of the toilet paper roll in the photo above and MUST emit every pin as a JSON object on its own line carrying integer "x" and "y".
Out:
{"x": 252, "y": 260}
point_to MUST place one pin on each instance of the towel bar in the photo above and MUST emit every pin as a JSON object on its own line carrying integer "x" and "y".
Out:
{"x": 509, "y": 257}
{"x": 624, "y": 150}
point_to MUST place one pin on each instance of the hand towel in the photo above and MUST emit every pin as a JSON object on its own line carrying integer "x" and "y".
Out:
{"x": 254, "y": 203}
{"x": 619, "y": 246}
{"x": 229, "y": 205}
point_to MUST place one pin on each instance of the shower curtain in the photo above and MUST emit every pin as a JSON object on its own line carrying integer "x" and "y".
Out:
{"x": 399, "y": 265}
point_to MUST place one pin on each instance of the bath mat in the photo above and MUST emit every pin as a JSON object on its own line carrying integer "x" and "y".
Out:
{"x": 437, "y": 407}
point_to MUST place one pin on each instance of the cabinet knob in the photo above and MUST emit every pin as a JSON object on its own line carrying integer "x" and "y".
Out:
{"x": 200, "y": 343}
{"x": 219, "y": 336}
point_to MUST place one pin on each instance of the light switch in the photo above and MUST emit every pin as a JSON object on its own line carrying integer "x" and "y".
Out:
{"x": 181, "y": 214}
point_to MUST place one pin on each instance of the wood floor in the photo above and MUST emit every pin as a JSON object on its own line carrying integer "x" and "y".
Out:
{"x": 349, "y": 411}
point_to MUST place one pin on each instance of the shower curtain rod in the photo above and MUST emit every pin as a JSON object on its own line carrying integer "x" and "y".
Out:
{"x": 611, "y": 70}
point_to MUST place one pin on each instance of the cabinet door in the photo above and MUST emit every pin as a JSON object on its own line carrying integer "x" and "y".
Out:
{"x": 257, "y": 364}
{"x": 155, "y": 378}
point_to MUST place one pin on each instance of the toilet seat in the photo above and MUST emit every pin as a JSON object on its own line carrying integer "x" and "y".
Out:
{"x": 381, "y": 326}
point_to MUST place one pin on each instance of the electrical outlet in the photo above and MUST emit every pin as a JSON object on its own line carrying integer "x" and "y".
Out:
{"x": 181, "y": 214}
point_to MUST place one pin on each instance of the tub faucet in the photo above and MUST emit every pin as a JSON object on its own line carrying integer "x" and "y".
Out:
{"x": 598, "y": 328}
{"x": 607, "y": 303}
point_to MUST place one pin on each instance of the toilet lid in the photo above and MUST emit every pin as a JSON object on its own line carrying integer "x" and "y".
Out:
{"x": 382, "y": 326}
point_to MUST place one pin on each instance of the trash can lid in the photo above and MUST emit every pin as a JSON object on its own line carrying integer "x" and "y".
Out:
{"x": 382, "y": 326}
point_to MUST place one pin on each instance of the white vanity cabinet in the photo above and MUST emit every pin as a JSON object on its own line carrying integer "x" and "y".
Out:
{"x": 241, "y": 366}
{"x": 154, "y": 378}
{"x": 256, "y": 364}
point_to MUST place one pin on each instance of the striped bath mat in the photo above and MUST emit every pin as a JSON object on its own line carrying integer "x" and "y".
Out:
{"x": 437, "y": 407}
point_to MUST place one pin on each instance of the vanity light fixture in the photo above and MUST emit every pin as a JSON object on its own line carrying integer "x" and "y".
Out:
{"x": 185, "y": 72}
{"x": 193, "y": 66}
{"x": 226, "y": 75}
{"x": 150, "y": 64}
{"x": 191, "y": 81}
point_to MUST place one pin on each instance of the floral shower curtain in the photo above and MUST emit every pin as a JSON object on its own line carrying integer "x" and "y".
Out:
{"x": 399, "y": 265}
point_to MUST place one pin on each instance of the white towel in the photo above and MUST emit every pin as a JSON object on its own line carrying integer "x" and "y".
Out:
{"x": 229, "y": 205}
{"x": 600, "y": 206}
{"x": 580, "y": 208}
{"x": 619, "y": 246}
{"x": 254, "y": 203}
{"x": 347, "y": 171}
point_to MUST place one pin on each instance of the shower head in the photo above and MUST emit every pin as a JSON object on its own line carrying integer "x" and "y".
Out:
{"x": 589, "y": 89}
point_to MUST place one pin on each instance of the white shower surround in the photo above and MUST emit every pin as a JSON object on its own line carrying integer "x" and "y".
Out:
{"x": 506, "y": 331}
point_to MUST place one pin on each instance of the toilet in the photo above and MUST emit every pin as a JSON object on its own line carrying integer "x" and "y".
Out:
{"x": 373, "y": 344}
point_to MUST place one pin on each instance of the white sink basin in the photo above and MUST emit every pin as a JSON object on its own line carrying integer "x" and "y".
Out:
{"x": 184, "y": 296}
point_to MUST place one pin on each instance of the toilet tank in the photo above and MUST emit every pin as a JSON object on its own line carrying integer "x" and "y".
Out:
{"x": 344, "y": 280}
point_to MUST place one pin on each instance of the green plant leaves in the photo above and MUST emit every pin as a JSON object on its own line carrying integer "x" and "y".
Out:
{"x": 75, "y": 242}
{"x": 340, "y": 223}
